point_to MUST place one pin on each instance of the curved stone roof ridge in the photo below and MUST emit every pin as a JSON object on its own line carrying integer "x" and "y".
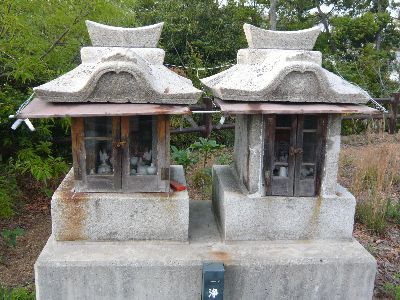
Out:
{"x": 284, "y": 75}
{"x": 110, "y": 36}
{"x": 121, "y": 75}
{"x": 270, "y": 39}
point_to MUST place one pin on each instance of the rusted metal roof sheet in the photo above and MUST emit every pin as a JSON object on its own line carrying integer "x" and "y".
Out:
{"x": 292, "y": 108}
{"x": 43, "y": 109}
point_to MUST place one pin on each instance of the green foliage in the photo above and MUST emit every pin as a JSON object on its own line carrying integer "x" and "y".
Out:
{"x": 10, "y": 236}
{"x": 202, "y": 181}
{"x": 393, "y": 289}
{"x": 201, "y": 149}
{"x": 38, "y": 160}
{"x": 393, "y": 211}
{"x": 182, "y": 141}
{"x": 227, "y": 136}
{"x": 199, "y": 33}
{"x": 374, "y": 219}
{"x": 18, "y": 293}
{"x": 206, "y": 147}
{"x": 224, "y": 159}
{"x": 39, "y": 41}
{"x": 355, "y": 126}
{"x": 8, "y": 189}
{"x": 183, "y": 157}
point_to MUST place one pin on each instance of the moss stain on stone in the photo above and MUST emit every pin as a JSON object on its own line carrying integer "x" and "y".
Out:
{"x": 314, "y": 220}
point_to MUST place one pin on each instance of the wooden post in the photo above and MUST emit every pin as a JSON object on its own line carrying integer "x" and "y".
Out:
{"x": 394, "y": 106}
{"x": 78, "y": 144}
{"x": 207, "y": 118}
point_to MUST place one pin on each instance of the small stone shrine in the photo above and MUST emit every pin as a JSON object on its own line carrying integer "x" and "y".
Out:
{"x": 283, "y": 182}
{"x": 119, "y": 100}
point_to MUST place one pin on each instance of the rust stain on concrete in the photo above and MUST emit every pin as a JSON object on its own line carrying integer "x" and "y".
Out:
{"x": 221, "y": 255}
{"x": 72, "y": 214}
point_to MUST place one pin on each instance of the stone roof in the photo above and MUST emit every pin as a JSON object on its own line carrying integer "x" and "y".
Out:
{"x": 123, "y": 67}
{"x": 280, "y": 66}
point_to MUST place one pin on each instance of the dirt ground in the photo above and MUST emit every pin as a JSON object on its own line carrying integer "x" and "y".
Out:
{"x": 32, "y": 214}
{"x": 16, "y": 264}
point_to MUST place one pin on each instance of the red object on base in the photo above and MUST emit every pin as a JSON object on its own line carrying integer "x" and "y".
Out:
{"x": 177, "y": 186}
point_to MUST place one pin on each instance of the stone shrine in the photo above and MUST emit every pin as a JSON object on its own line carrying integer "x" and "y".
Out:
{"x": 279, "y": 227}
{"x": 283, "y": 183}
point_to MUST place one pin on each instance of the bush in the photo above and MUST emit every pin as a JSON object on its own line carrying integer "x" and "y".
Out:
{"x": 202, "y": 181}
{"x": 183, "y": 157}
{"x": 206, "y": 147}
{"x": 10, "y": 236}
{"x": 393, "y": 211}
{"x": 18, "y": 293}
{"x": 372, "y": 215}
{"x": 393, "y": 289}
{"x": 8, "y": 189}
{"x": 38, "y": 161}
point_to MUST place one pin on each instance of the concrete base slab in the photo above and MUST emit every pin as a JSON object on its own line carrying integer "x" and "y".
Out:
{"x": 168, "y": 270}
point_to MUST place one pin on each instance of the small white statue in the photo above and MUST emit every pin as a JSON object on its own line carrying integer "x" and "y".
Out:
{"x": 141, "y": 167}
{"x": 147, "y": 155}
{"x": 134, "y": 161}
{"x": 152, "y": 169}
{"x": 283, "y": 172}
{"x": 141, "y": 162}
{"x": 104, "y": 168}
{"x": 307, "y": 172}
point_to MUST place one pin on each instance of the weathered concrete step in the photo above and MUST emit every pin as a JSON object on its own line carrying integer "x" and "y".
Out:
{"x": 168, "y": 270}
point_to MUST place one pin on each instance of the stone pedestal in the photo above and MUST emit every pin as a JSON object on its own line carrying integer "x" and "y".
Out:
{"x": 120, "y": 216}
{"x": 167, "y": 270}
{"x": 242, "y": 216}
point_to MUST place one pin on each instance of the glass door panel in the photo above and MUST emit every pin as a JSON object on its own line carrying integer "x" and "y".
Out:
{"x": 292, "y": 154}
{"x": 144, "y": 154}
{"x": 101, "y": 159}
{"x": 142, "y": 150}
{"x": 279, "y": 172}
{"x": 98, "y": 146}
{"x": 98, "y": 127}
{"x": 281, "y": 155}
{"x": 306, "y": 161}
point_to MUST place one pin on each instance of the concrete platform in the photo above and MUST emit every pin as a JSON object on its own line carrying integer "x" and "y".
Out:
{"x": 168, "y": 270}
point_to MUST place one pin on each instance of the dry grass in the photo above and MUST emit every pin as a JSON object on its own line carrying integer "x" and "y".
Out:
{"x": 372, "y": 175}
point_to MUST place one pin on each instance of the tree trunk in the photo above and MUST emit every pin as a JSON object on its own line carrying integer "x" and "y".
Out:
{"x": 272, "y": 14}
{"x": 379, "y": 7}
{"x": 378, "y": 40}
{"x": 324, "y": 21}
